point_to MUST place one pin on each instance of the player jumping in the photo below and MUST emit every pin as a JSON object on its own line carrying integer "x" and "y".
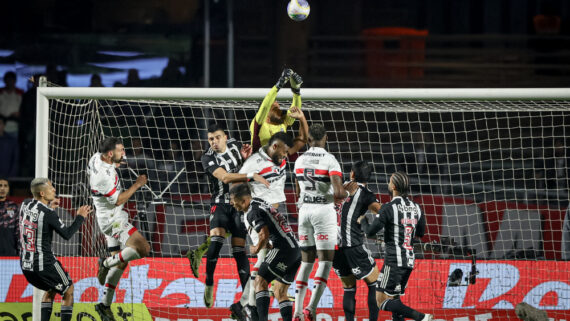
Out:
{"x": 283, "y": 257}
{"x": 124, "y": 242}
{"x": 269, "y": 118}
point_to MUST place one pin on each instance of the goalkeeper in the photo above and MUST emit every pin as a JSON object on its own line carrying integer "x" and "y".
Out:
{"x": 269, "y": 118}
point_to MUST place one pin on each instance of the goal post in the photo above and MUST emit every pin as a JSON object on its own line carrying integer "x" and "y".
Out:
{"x": 485, "y": 165}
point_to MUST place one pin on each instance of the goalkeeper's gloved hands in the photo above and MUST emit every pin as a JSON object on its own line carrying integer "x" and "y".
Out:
{"x": 285, "y": 75}
{"x": 296, "y": 82}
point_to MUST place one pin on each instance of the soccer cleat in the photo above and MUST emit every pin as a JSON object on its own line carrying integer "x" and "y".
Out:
{"x": 103, "y": 270}
{"x": 309, "y": 314}
{"x": 195, "y": 261}
{"x": 251, "y": 312}
{"x": 238, "y": 312}
{"x": 427, "y": 317}
{"x": 209, "y": 296}
{"x": 527, "y": 312}
{"x": 104, "y": 312}
{"x": 296, "y": 318}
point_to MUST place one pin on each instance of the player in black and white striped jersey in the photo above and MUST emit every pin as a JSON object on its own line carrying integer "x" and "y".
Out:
{"x": 38, "y": 221}
{"x": 402, "y": 220}
{"x": 283, "y": 257}
{"x": 353, "y": 260}
{"x": 222, "y": 162}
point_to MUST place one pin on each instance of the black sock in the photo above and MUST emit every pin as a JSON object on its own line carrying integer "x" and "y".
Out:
{"x": 397, "y": 317}
{"x": 262, "y": 303}
{"x": 349, "y": 303}
{"x": 242, "y": 264}
{"x": 372, "y": 304}
{"x": 66, "y": 312}
{"x": 212, "y": 255}
{"x": 46, "y": 310}
{"x": 286, "y": 309}
{"x": 395, "y": 305}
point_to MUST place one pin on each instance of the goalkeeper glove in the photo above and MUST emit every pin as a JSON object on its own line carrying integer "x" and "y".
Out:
{"x": 296, "y": 82}
{"x": 285, "y": 75}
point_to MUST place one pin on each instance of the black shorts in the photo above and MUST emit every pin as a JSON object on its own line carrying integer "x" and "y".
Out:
{"x": 281, "y": 265}
{"x": 393, "y": 280}
{"x": 357, "y": 261}
{"x": 53, "y": 278}
{"x": 224, "y": 215}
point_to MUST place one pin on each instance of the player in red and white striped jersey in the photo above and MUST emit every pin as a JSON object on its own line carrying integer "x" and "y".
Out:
{"x": 123, "y": 240}
{"x": 319, "y": 183}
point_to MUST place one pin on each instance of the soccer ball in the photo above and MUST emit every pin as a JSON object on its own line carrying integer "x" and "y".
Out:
{"x": 298, "y": 10}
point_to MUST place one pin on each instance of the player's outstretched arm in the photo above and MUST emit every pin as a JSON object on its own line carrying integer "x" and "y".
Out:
{"x": 126, "y": 195}
{"x": 67, "y": 231}
{"x": 296, "y": 82}
{"x": 301, "y": 139}
{"x": 228, "y": 178}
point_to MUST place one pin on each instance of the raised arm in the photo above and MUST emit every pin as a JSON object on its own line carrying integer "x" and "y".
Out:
{"x": 67, "y": 231}
{"x": 126, "y": 194}
{"x": 370, "y": 229}
{"x": 301, "y": 139}
{"x": 228, "y": 178}
{"x": 296, "y": 82}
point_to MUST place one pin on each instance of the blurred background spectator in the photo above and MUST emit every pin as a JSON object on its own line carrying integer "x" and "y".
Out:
{"x": 9, "y": 222}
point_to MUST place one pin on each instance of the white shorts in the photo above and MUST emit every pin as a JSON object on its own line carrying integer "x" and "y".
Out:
{"x": 318, "y": 226}
{"x": 117, "y": 231}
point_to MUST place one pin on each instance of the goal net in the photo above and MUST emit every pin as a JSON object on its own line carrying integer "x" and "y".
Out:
{"x": 488, "y": 167}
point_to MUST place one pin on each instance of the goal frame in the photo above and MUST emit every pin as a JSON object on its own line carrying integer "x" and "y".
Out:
{"x": 45, "y": 93}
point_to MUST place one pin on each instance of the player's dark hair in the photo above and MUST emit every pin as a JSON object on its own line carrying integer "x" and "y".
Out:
{"x": 108, "y": 144}
{"x": 215, "y": 127}
{"x": 362, "y": 171}
{"x": 317, "y": 131}
{"x": 10, "y": 75}
{"x": 282, "y": 136}
{"x": 401, "y": 183}
{"x": 2, "y": 178}
{"x": 240, "y": 191}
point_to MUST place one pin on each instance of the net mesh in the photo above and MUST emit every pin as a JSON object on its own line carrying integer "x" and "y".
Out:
{"x": 491, "y": 177}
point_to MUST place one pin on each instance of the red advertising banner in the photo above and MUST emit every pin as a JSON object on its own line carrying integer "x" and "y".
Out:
{"x": 167, "y": 288}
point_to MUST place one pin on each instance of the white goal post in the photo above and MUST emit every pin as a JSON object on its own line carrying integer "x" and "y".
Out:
{"x": 470, "y": 152}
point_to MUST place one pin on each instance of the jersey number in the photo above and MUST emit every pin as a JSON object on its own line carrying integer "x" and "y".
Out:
{"x": 309, "y": 177}
{"x": 30, "y": 239}
{"x": 408, "y": 230}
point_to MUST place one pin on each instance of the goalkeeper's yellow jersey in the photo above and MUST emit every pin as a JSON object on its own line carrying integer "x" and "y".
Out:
{"x": 260, "y": 130}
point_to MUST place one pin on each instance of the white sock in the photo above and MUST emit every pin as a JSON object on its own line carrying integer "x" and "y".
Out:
{"x": 302, "y": 284}
{"x": 126, "y": 255}
{"x": 245, "y": 294}
{"x": 260, "y": 257}
{"x": 321, "y": 278}
{"x": 111, "y": 282}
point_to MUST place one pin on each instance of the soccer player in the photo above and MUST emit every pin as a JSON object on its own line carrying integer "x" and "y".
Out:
{"x": 124, "y": 242}
{"x": 353, "y": 260}
{"x": 269, "y": 118}
{"x": 319, "y": 183}
{"x": 38, "y": 220}
{"x": 222, "y": 162}
{"x": 283, "y": 257}
{"x": 402, "y": 220}
{"x": 270, "y": 163}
